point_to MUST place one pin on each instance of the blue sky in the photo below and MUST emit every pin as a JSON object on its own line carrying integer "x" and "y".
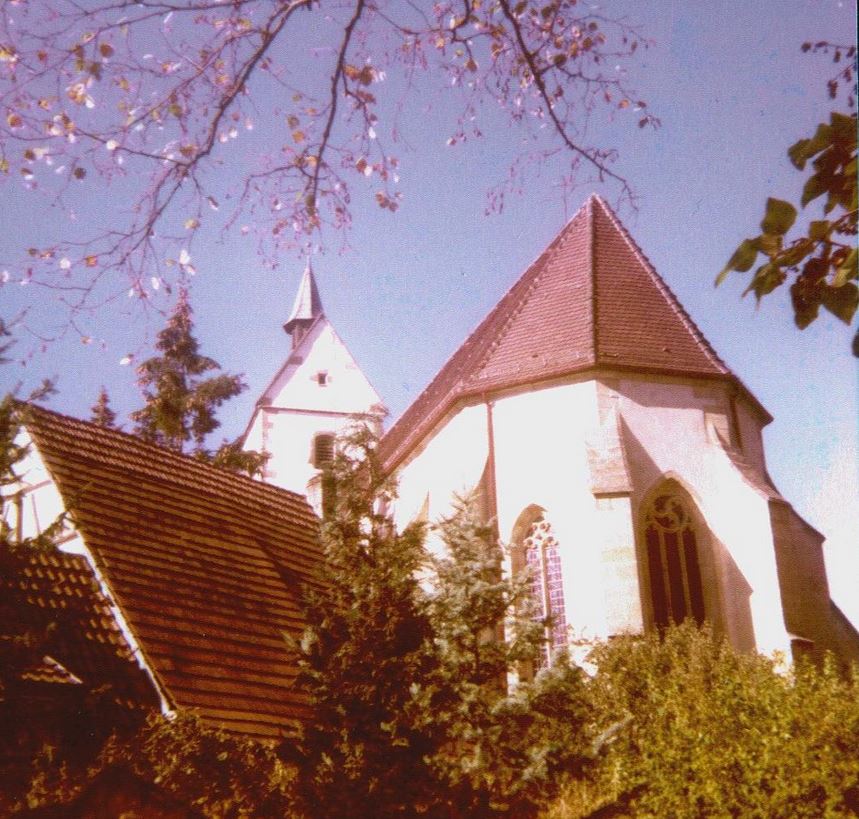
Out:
{"x": 733, "y": 91}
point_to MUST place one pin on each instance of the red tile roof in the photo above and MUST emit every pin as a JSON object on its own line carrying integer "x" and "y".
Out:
{"x": 206, "y": 567}
{"x": 83, "y": 644}
{"x": 591, "y": 300}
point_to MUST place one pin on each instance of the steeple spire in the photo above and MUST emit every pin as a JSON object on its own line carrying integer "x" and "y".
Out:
{"x": 306, "y": 309}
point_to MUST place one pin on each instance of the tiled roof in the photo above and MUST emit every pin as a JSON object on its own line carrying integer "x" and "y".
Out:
{"x": 206, "y": 567}
{"x": 58, "y": 595}
{"x": 591, "y": 300}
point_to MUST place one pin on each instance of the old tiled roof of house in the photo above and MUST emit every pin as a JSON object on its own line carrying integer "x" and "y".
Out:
{"x": 591, "y": 300}
{"x": 205, "y": 566}
{"x": 56, "y": 595}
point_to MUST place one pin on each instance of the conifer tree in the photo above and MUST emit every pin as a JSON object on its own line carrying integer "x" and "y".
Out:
{"x": 183, "y": 389}
{"x": 511, "y": 736}
{"x": 365, "y": 653}
{"x": 101, "y": 412}
{"x": 409, "y": 681}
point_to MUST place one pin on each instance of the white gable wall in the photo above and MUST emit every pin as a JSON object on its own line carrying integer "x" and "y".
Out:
{"x": 297, "y": 406}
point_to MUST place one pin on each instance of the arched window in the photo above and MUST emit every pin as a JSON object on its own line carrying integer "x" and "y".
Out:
{"x": 537, "y": 550}
{"x": 672, "y": 561}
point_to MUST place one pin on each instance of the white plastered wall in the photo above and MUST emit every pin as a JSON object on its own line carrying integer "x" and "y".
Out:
{"x": 450, "y": 463}
{"x": 541, "y": 458}
{"x": 296, "y": 406}
{"x": 671, "y": 433}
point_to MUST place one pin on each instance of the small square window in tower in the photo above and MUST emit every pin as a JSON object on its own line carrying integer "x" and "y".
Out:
{"x": 322, "y": 378}
{"x": 323, "y": 449}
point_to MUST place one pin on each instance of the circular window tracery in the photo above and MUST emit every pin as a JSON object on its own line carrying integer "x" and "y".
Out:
{"x": 672, "y": 560}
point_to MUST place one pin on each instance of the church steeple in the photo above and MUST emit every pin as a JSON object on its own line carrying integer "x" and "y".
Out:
{"x": 306, "y": 309}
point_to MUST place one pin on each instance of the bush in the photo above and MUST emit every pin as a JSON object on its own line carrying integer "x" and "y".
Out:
{"x": 709, "y": 732}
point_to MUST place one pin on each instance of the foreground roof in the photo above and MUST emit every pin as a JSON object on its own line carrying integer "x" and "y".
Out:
{"x": 591, "y": 300}
{"x": 206, "y": 567}
{"x": 57, "y": 594}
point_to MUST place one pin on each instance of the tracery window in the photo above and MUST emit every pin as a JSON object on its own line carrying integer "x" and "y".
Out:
{"x": 542, "y": 557}
{"x": 672, "y": 562}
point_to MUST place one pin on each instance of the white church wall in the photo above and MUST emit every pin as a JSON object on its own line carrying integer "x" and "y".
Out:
{"x": 322, "y": 353}
{"x": 668, "y": 436}
{"x": 320, "y": 389}
{"x": 751, "y": 434}
{"x": 288, "y": 436}
{"x": 450, "y": 463}
{"x": 541, "y": 459}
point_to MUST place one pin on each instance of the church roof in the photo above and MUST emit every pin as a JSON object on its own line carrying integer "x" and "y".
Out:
{"x": 307, "y": 305}
{"x": 205, "y": 566}
{"x": 592, "y": 300}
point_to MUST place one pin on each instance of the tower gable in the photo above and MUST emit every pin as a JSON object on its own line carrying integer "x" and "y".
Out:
{"x": 321, "y": 376}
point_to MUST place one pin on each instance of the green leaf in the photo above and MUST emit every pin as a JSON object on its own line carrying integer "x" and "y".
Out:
{"x": 779, "y": 217}
{"x": 847, "y": 270}
{"x": 805, "y": 296}
{"x": 819, "y": 230}
{"x": 798, "y": 153}
{"x": 841, "y": 301}
{"x": 796, "y": 252}
{"x": 767, "y": 278}
{"x": 742, "y": 260}
{"x": 843, "y": 127}
{"x": 816, "y": 186}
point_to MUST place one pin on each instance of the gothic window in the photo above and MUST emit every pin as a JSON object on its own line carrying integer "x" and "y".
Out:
{"x": 672, "y": 562}
{"x": 539, "y": 552}
{"x": 323, "y": 449}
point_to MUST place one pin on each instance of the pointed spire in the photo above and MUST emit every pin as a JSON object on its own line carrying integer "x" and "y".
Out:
{"x": 307, "y": 307}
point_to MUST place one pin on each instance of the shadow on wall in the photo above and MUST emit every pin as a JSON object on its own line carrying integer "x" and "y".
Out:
{"x": 726, "y": 592}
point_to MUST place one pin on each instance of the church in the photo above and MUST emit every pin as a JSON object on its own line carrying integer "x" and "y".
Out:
{"x": 617, "y": 456}
{"x": 614, "y": 453}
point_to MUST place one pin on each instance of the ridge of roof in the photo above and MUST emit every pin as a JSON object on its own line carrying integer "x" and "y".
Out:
{"x": 670, "y": 298}
{"x": 590, "y": 300}
{"x": 135, "y": 453}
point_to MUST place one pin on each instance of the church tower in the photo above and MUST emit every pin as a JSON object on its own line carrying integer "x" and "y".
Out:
{"x": 314, "y": 396}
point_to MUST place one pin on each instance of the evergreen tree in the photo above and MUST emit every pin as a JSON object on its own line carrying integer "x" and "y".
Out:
{"x": 101, "y": 412}
{"x": 413, "y": 712}
{"x": 510, "y": 737}
{"x": 365, "y": 653}
{"x": 183, "y": 390}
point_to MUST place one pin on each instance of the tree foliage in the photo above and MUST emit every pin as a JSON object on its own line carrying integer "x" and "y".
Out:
{"x": 410, "y": 680}
{"x": 710, "y": 732}
{"x": 101, "y": 412}
{"x": 182, "y": 397}
{"x": 821, "y": 260}
{"x": 154, "y": 93}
